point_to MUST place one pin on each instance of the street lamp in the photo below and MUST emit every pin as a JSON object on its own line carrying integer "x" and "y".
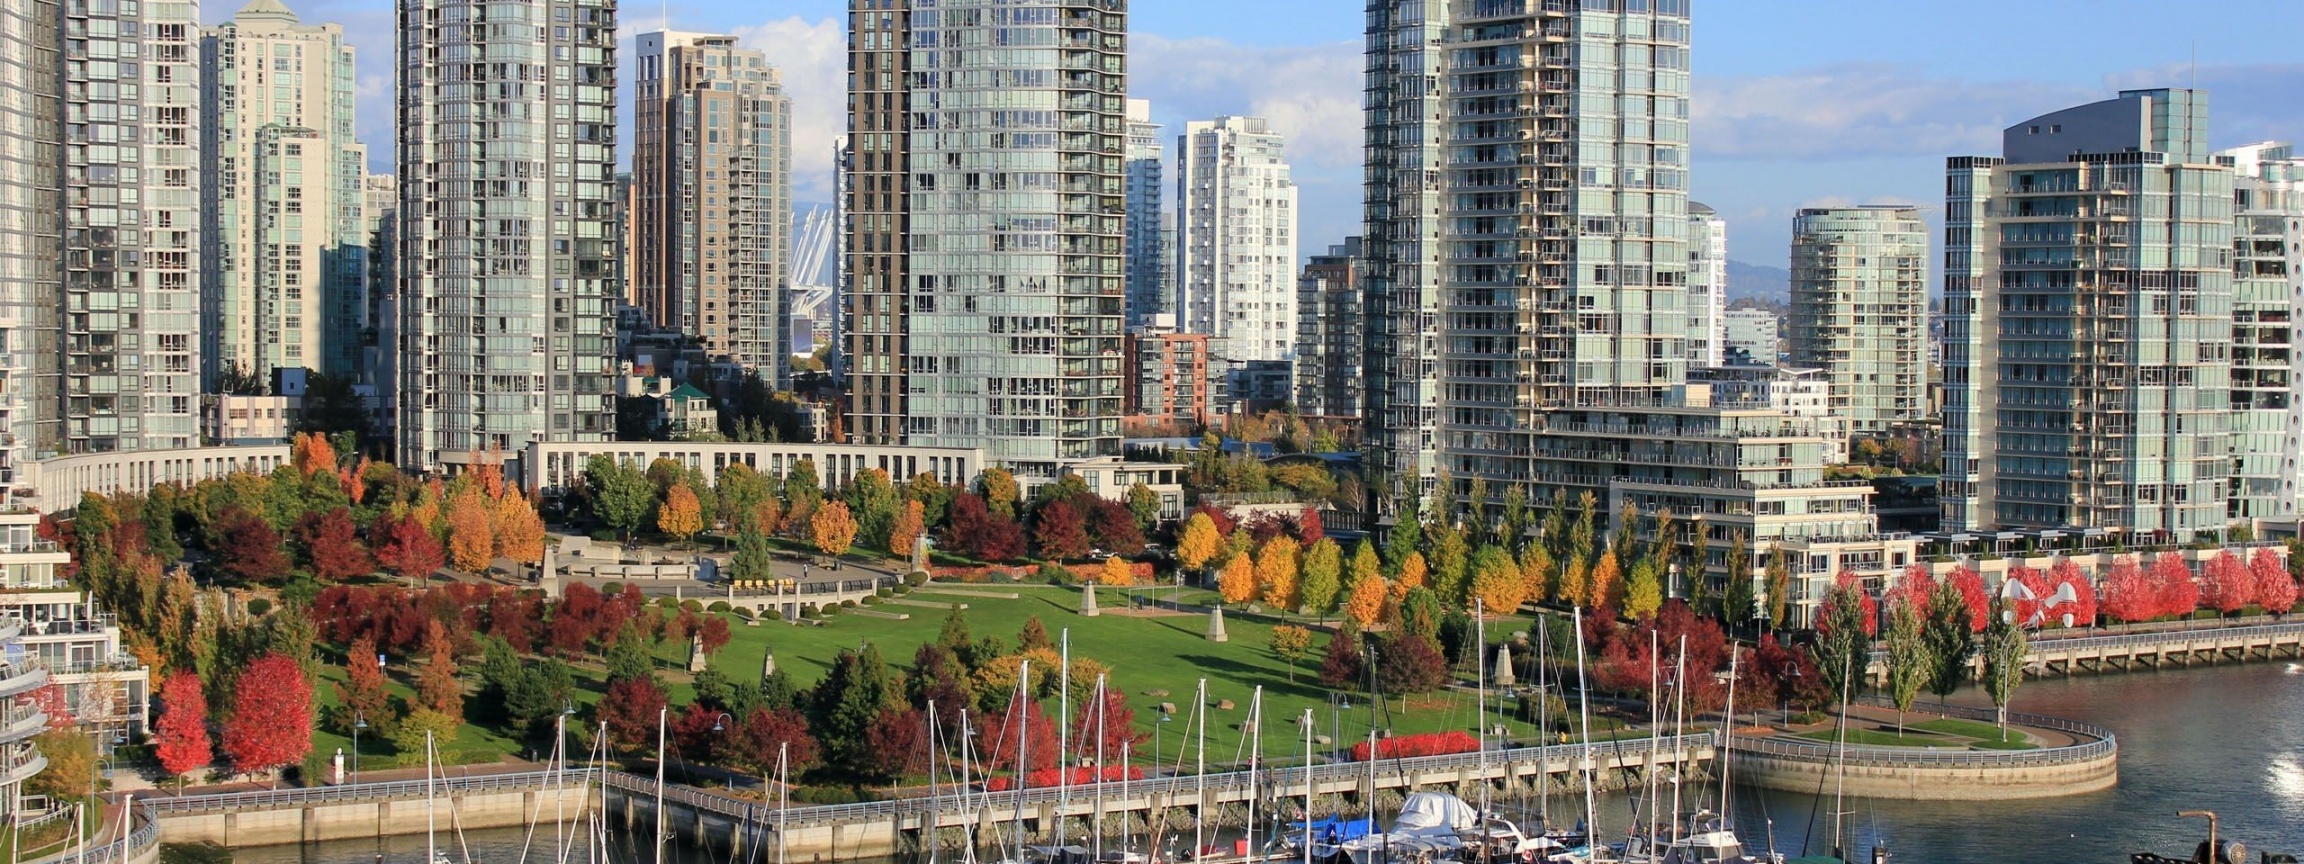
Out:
{"x": 1157, "y": 728}
{"x": 359, "y": 722}
{"x": 1338, "y": 703}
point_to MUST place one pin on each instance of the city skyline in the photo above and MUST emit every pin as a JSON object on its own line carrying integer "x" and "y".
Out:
{"x": 1848, "y": 119}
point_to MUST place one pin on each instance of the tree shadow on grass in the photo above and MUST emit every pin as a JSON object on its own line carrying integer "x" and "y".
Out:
{"x": 1249, "y": 675}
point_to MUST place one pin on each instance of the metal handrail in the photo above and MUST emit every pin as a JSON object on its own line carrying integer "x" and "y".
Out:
{"x": 398, "y": 789}
{"x": 2037, "y": 647}
{"x": 1084, "y": 792}
{"x": 142, "y": 839}
{"x": 2103, "y": 745}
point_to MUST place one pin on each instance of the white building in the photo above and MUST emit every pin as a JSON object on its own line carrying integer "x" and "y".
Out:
{"x": 1754, "y": 332}
{"x": 1149, "y": 235}
{"x": 1236, "y": 239}
{"x": 508, "y": 256}
{"x": 2268, "y": 301}
{"x": 284, "y": 282}
{"x": 1802, "y": 393}
{"x": 98, "y": 683}
{"x": 1707, "y": 286}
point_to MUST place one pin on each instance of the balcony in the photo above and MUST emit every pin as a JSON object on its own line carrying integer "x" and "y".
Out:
{"x": 17, "y": 679}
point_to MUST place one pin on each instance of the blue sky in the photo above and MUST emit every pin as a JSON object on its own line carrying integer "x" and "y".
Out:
{"x": 1797, "y": 102}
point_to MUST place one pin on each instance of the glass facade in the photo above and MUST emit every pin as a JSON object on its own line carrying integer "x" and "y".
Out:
{"x": 1860, "y": 310}
{"x": 2267, "y": 295}
{"x": 1401, "y": 199}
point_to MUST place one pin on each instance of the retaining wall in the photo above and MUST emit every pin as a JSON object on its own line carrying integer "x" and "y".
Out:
{"x": 1801, "y": 765}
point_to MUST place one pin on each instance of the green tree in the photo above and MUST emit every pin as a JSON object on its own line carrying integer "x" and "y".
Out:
{"x": 741, "y": 490}
{"x": 859, "y": 687}
{"x": 1512, "y": 524}
{"x": 1909, "y": 666}
{"x": 755, "y": 558}
{"x": 1842, "y": 648}
{"x": 1404, "y": 538}
{"x": 1323, "y": 577}
{"x": 1736, "y": 598}
{"x": 2004, "y": 650}
{"x": 629, "y": 656}
{"x": 1779, "y": 587}
{"x": 1451, "y": 565}
{"x": 1289, "y": 643}
{"x": 1643, "y": 591}
{"x": 803, "y": 489}
{"x": 1144, "y": 504}
{"x": 621, "y": 496}
{"x": 874, "y": 502}
{"x": 1951, "y": 638}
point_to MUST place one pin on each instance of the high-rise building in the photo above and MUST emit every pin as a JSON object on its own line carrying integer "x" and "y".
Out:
{"x": 31, "y": 208}
{"x": 1236, "y": 239}
{"x": 1567, "y": 206}
{"x": 985, "y": 277}
{"x": 712, "y": 180}
{"x": 1149, "y": 234}
{"x": 285, "y": 277}
{"x": 132, "y": 226}
{"x": 2088, "y": 355}
{"x": 1401, "y": 200}
{"x": 1751, "y": 336}
{"x": 1329, "y": 338}
{"x": 2267, "y": 303}
{"x": 1860, "y": 310}
{"x": 508, "y": 257}
{"x": 1707, "y": 286}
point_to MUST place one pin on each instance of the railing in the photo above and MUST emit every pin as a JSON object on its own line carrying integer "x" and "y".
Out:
{"x": 1815, "y": 751}
{"x": 277, "y": 799}
{"x": 2040, "y": 645}
{"x": 1085, "y": 792}
{"x": 143, "y": 838}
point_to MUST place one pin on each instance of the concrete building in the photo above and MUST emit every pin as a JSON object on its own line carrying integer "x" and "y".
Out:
{"x": 378, "y": 330}
{"x": 285, "y": 279}
{"x": 31, "y": 219}
{"x": 2268, "y": 301}
{"x": 1151, "y": 237}
{"x": 131, "y": 246}
{"x": 2088, "y": 356}
{"x": 21, "y": 718}
{"x": 1330, "y": 336}
{"x": 1236, "y": 239}
{"x": 712, "y": 181}
{"x": 1707, "y": 286}
{"x": 1802, "y": 393}
{"x": 508, "y": 252}
{"x": 1169, "y": 375}
{"x": 103, "y": 687}
{"x": 238, "y": 421}
{"x": 1402, "y": 120}
{"x": 1860, "y": 310}
{"x": 1753, "y": 332}
{"x": 985, "y": 254}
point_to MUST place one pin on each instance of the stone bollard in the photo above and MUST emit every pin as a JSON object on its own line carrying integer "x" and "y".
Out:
{"x": 1088, "y": 601}
{"x": 1216, "y": 626}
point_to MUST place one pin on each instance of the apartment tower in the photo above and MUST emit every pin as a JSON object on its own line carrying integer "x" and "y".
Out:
{"x": 2267, "y": 301}
{"x": 131, "y": 242}
{"x": 1236, "y": 239}
{"x": 31, "y": 206}
{"x": 986, "y": 213}
{"x": 1707, "y": 286}
{"x": 712, "y": 185}
{"x": 1330, "y": 341}
{"x": 508, "y": 256}
{"x": 1150, "y": 236}
{"x": 2089, "y": 333}
{"x": 285, "y": 277}
{"x": 1401, "y": 198}
{"x": 1860, "y": 310}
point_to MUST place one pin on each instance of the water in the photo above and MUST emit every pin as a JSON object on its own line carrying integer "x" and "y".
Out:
{"x": 2228, "y": 739}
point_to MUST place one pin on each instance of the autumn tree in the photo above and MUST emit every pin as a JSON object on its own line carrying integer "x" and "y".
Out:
{"x": 1535, "y": 572}
{"x": 1199, "y": 543}
{"x": 681, "y": 515}
{"x": 1575, "y": 587}
{"x": 2128, "y": 593}
{"x": 519, "y": 530}
{"x": 182, "y": 733}
{"x": 769, "y": 736}
{"x": 1237, "y": 582}
{"x": 1410, "y": 663}
{"x": 407, "y": 548}
{"x": 471, "y": 533}
{"x": 979, "y": 533}
{"x": 271, "y": 722}
{"x": 1323, "y": 567}
{"x": 1605, "y": 580}
{"x": 1497, "y": 581}
{"x": 2004, "y": 651}
{"x": 1644, "y": 591}
{"x": 361, "y": 694}
{"x": 832, "y": 529}
{"x": 1289, "y": 642}
{"x": 909, "y": 525}
{"x": 1413, "y": 573}
{"x": 1277, "y": 572}
{"x": 1342, "y": 665}
{"x": 251, "y": 550}
{"x": 630, "y": 708}
{"x": 1000, "y": 492}
{"x": 1059, "y": 531}
{"x": 72, "y": 763}
{"x": 437, "y": 686}
{"x": 1116, "y": 572}
{"x": 2229, "y": 587}
{"x": 2275, "y": 588}
{"x": 1366, "y": 604}
{"x": 332, "y": 544}
{"x": 2172, "y": 583}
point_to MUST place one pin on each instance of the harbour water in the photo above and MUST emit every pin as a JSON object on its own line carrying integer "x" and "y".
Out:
{"x": 2228, "y": 739}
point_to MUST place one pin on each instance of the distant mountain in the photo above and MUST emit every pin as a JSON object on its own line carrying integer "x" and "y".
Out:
{"x": 1759, "y": 282}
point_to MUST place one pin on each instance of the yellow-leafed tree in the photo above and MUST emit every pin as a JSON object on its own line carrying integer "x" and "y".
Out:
{"x": 1366, "y": 603}
{"x": 519, "y": 531}
{"x": 832, "y": 528}
{"x": 1277, "y": 572}
{"x": 1607, "y": 581}
{"x": 471, "y": 532}
{"x": 1200, "y": 542}
{"x": 1116, "y": 572}
{"x": 1237, "y": 582}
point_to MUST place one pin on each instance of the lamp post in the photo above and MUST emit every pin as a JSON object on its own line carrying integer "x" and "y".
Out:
{"x": 1338, "y": 703}
{"x": 1157, "y": 728}
{"x": 720, "y": 725}
{"x": 359, "y": 722}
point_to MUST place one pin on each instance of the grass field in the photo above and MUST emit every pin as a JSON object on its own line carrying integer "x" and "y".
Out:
{"x": 1146, "y": 653}
{"x": 1939, "y": 733}
{"x": 1966, "y": 728}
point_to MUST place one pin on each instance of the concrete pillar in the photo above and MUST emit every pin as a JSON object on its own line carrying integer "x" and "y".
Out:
{"x": 1216, "y": 626}
{"x": 308, "y": 827}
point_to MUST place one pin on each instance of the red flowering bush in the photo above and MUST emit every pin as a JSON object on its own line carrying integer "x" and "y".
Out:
{"x": 1078, "y": 776}
{"x": 1421, "y": 744}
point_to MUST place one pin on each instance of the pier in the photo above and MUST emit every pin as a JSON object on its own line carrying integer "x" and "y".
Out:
{"x": 2146, "y": 651}
{"x": 879, "y": 828}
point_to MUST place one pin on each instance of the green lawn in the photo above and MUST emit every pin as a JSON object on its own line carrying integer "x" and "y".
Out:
{"x": 1940, "y": 733}
{"x": 1145, "y": 653}
{"x": 1963, "y": 728}
{"x": 1875, "y": 738}
{"x": 473, "y": 744}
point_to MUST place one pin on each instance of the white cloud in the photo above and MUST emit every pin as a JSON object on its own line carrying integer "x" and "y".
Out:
{"x": 1310, "y": 93}
{"x": 813, "y": 60}
{"x": 1863, "y": 110}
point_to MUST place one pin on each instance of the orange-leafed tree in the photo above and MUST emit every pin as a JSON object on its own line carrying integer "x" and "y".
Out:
{"x": 832, "y": 529}
{"x": 909, "y": 525}
{"x": 471, "y": 533}
{"x": 681, "y": 515}
{"x": 362, "y": 691}
{"x": 1237, "y": 581}
{"x": 1117, "y": 572}
{"x": 311, "y": 453}
{"x": 1413, "y": 573}
{"x": 519, "y": 531}
{"x": 332, "y": 544}
{"x": 407, "y": 548}
{"x": 1606, "y": 578}
{"x": 1366, "y": 603}
{"x": 437, "y": 685}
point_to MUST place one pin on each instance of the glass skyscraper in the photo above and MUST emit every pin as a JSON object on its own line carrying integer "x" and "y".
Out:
{"x": 1860, "y": 310}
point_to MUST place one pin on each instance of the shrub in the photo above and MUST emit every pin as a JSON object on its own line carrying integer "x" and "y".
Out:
{"x": 257, "y": 607}
{"x": 667, "y": 603}
{"x": 810, "y": 612}
{"x": 1421, "y": 744}
{"x": 885, "y": 592}
{"x": 871, "y": 600}
{"x": 603, "y": 536}
{"x": 692, "y": 605}
{"x": 1052, "y": 573}
{"x": 1046, "y": 777}
{"x": 1002, "y": 577}
{"x": 717, "y": 606}
{"x": 916, "y": 578}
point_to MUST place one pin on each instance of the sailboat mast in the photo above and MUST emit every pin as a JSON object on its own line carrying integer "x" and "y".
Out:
{"x": 1727, "y": 732}
{"x": 1679, "y": 723}
{"x": 431, "y": 845}
{"x": 1480, "y": 706}
{"x": 1544, "y": 717}
{"x": 1655, "y": 731}
{"x": 1584, "y": 709}
{"x": 1308, "y": 786}
{"x": 1098, "y": 777}
{"x": 1200, "y": 768}
{"x": 1255, "y": 759}
{"x": 662, "y": 714}
{"x": 1063, "y": 729}
{"x": 783, "y": 794}
{"x": 1022, "y": 709}
{"x": 1840, "y": 786}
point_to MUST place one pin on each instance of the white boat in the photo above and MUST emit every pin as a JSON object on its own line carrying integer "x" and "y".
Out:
{"x": 1708, "y": 840}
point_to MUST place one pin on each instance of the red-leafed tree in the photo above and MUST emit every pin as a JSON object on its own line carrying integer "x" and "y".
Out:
{"x": 2172, "y": 582}
{"x": 694, "y": 739}
{"x": 1109, "y": 725}
{"x": 1309, "y": 529}
{"x": 1972, "y": 594}
{"x": 1914, "y": 586}
{"x": 407, "y": 548}
{"x": 1111, "y": 526}
{"x": 2067, "y": 572}
{"x": 1222, "y": 518}
{"x": 1848, "y": 587}
{"x": 271, "y": 724}
{"x": 2227, "y": 586}
{"x": 896, "y": 746}
{"x": 979, "y": 533}
{"x": 2035, "y": 594}
{"x": 997, "y": 743}
{"x": 517, "y": 617}
{"x": 1059, "y": 531}
{"x": 362, "y": 690}
{"x": 2129, "y": 595}
{"x": 715, "y": 633}
{"x": 2275, "y": 588}
{"x": 332, "y": 544}
{"x": 630, "y": 709}
{"x": 251, "y": 550}
{"x": 765, "y": 730}
{"x": 182, "y": 732}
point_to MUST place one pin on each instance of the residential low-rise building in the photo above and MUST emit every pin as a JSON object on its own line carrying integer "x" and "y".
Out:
{"x": 101, "y": 687}
{"x": 236, "y": 421}
{"x": 1168, "y": 375}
